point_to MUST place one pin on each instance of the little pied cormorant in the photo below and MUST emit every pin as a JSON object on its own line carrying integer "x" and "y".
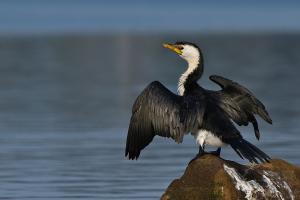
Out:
{"x": 206, "y": 114}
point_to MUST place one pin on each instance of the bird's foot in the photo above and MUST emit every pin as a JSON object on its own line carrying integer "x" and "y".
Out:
{"x": 216, "y": 153}
{"x": 202, "y": 153}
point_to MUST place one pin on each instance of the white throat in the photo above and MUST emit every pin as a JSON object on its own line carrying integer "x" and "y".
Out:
{"x": 192, "y": 65}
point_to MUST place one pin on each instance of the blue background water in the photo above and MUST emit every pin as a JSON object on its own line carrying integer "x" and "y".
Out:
{"x": 53, "y": 16}
{"x": 65, "y": 104}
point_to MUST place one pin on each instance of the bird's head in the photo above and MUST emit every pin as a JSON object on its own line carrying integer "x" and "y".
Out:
{"x": 188, "y": 51}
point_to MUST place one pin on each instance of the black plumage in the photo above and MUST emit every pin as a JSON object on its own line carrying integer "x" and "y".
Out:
{"x": 239, "y": 103}
{"x": 158, "y": 111}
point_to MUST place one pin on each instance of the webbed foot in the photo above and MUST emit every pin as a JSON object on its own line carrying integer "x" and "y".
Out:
{"x": 202, "y": 152}
{"x": 216, "y": 153}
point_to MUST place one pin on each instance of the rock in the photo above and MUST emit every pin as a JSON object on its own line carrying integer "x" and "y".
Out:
{"x": 210, "y": 177}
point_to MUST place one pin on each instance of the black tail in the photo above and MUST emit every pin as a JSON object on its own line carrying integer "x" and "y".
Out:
{"x": 247, "y": 150}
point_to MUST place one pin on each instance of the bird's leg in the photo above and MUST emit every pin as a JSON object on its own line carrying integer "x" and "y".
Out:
{"x": 200, "y": 153}
{"x": 217, "y": 152}
{"x": 201, "y": 150}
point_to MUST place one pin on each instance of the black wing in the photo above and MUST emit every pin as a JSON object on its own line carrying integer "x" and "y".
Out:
{"x": 158, "y": 111}
{"x": 239, "y": 103}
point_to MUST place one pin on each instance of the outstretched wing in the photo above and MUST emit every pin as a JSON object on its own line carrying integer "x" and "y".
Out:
{"x": 239, "y": 103}
{"x": 158, "y": 111}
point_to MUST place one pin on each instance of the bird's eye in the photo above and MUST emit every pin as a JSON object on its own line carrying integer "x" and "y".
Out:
{"x": 180, "y": 47}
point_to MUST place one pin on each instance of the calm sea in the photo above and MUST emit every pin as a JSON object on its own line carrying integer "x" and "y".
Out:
{"x": 65, "y": 104}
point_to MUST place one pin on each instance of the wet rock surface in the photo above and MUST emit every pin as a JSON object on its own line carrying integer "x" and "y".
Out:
{"x": 210, "y": 177}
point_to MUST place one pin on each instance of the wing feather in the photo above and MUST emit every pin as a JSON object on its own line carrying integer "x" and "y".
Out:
{"x": 158, "y": 111}
{"x": 239, "y": 103}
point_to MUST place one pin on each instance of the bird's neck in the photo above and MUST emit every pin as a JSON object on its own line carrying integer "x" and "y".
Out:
{"x": 190, "y": 77}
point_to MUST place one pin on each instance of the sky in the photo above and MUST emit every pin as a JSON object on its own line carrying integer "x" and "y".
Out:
{"x": 44, "y": 16}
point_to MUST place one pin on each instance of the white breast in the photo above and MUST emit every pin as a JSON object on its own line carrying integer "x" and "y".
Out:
{"x": 204, "y": 137}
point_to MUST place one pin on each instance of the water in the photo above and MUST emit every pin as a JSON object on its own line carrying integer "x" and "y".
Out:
{"x": 65, "y": 106}
{"x": 52, "y": 16}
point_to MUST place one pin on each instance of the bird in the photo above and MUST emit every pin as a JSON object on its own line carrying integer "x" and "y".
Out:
{"x": 210, "y": 116}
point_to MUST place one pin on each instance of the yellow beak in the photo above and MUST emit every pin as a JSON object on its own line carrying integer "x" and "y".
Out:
{"x": 173, "y": 48}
